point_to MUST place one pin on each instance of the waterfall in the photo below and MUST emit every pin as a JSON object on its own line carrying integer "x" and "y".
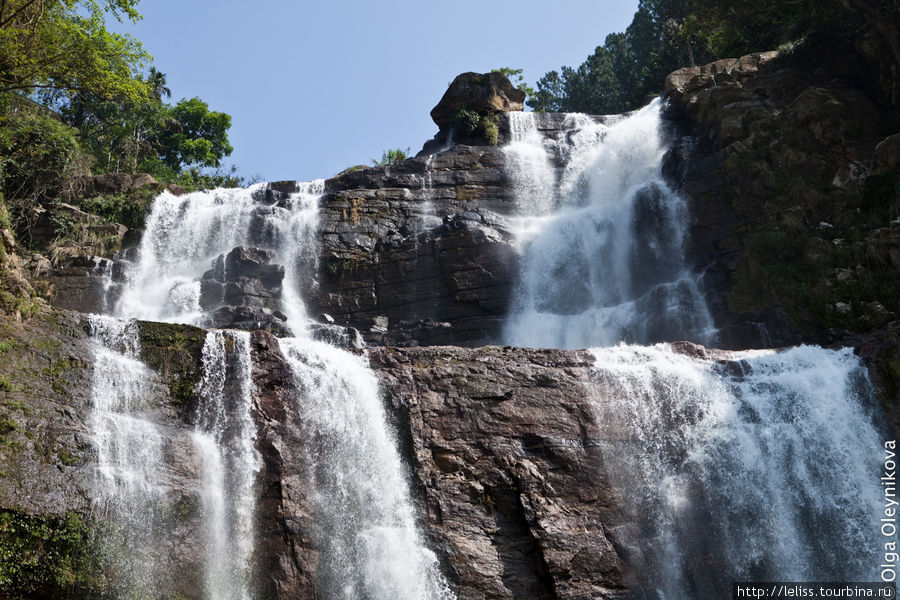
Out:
{"x": 130, "y": 447}
{"x": 185, "y": 234}
{"x": 763, "y": 467}
{"x": 364, "y": 516}
{"x": 603, "y": 242}
{"x": 531, "y": 172}
{"x": 365, "y": 520}
{"x": 225, "y": 440}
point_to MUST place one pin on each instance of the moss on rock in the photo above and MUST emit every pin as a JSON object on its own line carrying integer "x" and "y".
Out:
{"x": 175, "y": 352}
{"x": 49, "y": 557}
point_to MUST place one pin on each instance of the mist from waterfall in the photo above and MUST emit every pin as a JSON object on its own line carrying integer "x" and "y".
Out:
{"x": 762, "y": 467}
{"x": 602, "y": 237}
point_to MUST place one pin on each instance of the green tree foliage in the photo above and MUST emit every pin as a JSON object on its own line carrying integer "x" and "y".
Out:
{"x": 549, "y": 94}
{"x": 668, "y": 34}
{"x": 36, "y": 153}
{"x": 63, "y": 47}
{"x": 157, "y": 82}
{"x": 74, "y": 100}
{"x": 117, "y": 133}
{"x": 194, "y": 135}
{"x": 465, "y": 122}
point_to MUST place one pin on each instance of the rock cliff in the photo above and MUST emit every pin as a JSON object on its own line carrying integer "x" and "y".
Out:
{"x": 789, "y": 167}
{"x": 795, "y": 223}
{"x": 501, "y": 443}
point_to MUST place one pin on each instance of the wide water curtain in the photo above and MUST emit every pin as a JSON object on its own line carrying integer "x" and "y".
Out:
{"x": 602, "y": 237}
{"x": 762, "y": 468}
{"x": 130, "y": 450}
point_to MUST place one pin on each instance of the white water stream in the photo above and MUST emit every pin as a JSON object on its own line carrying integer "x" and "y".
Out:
{"x": 225, "y": 440}
{"x": 130, "y": 448}
{"x": 603, "y": 240}
{"x": 765, "y": 469}
{"x": 366, "y": 526}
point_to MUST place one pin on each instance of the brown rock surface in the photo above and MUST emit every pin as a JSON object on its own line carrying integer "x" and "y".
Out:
{"x": 503, "y": 450}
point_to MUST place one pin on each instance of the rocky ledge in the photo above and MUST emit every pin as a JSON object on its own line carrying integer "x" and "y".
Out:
{"x": 501, "y": 446}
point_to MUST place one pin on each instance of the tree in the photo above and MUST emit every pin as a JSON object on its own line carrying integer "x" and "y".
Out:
{"x": 391, "y": 156}
{"x": 549, "y": 95}
{"x": 593, "y": 87}
{"x": 157, "y": 82}
{"x": 194, "y": 135}
{"x": 63, "y": 47}
{"x": 515, "y": 76}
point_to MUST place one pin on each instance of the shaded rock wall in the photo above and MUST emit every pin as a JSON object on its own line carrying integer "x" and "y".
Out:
{"x": 423, "y": 243}
{"x": 795, "y": 195}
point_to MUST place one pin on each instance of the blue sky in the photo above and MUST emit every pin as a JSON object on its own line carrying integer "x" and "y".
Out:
{"x": 314, "y": 88}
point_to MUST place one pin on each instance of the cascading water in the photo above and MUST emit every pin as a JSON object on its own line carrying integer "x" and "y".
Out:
{"x": 185, "y": 234}
{"x": 762, "y": 469}
{"x": 371, "y": 547}
{"x": 755, "y": 469}
{"x": 603, "y": 243}
{"x": 130, "y": 447}
{"x": 365, "y": 518}
{"x": 224, "y": 439}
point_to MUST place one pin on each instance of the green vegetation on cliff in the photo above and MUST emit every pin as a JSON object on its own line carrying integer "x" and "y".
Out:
{"x": 75, "y": 99}
{"x": 47, "y": 556}
{"x": 668, "y": 34}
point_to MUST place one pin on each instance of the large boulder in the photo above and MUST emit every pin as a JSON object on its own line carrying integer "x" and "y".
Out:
{"x": 483, "y": 93}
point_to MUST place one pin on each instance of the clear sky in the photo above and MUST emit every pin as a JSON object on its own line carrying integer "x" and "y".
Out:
{"x": 316, "y": 87}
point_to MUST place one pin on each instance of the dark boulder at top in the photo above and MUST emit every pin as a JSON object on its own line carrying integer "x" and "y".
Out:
{"x": 483, "y": 93}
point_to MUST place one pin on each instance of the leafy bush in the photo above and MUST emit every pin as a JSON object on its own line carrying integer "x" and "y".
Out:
{"x": 391, "y": 156}
{"x": 37, "y": 152}
{"x": 516, "y": 77}
{"x": 128, "y": 209}
{"x": 48, "y": 554}
{"x": 465, "y": 122}
{"x": 491, "y": 132}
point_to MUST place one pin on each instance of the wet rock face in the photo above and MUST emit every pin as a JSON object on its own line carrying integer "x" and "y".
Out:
{"x": 504, "y": 454}
{"x": 243, "y": 291}
{"x": 285, "y": 552}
